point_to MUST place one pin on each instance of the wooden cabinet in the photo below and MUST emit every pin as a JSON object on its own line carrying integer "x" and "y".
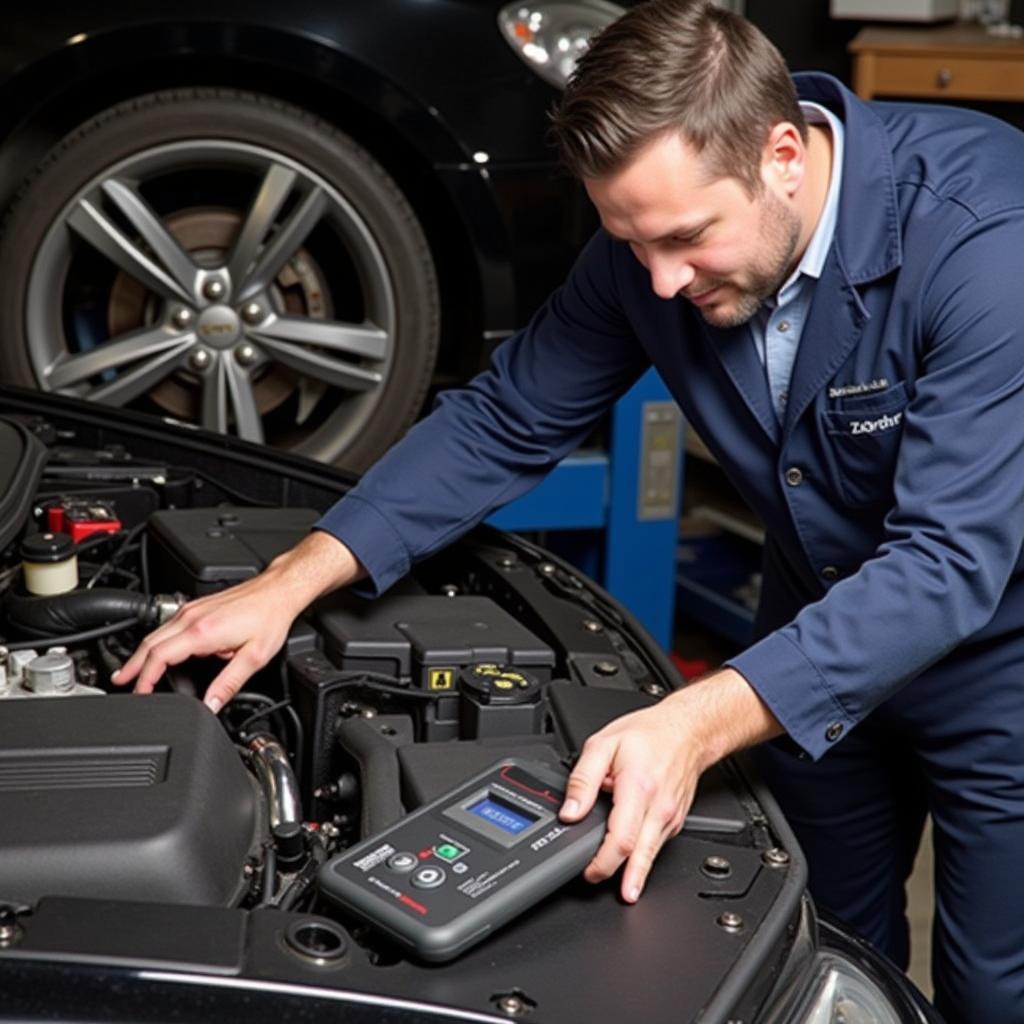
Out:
{"x": 957, "y": 62}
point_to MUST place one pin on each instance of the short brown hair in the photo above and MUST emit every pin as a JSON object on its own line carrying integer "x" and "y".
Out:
{"x": 685, "y": 65}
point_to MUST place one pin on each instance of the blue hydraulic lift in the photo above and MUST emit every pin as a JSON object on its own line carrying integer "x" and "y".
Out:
{"x": 628, "y": 498}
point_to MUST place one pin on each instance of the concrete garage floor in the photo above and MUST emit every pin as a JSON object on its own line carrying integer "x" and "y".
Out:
{"x": 921, "y": 903}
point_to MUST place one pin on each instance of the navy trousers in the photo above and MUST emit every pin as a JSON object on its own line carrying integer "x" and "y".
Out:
{"x": 954, "y": 748}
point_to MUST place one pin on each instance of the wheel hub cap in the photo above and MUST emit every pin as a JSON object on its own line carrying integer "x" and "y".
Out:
{"x": 219, "y": 327}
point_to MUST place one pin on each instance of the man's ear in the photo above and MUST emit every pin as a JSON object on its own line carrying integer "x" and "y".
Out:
{"x": 784, "y": 158}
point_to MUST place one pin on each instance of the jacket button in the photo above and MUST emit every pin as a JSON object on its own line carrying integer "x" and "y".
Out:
{"x": 794, "y": 477}
{"x": 830, "y": 574}
{"x": 834, "y": 731}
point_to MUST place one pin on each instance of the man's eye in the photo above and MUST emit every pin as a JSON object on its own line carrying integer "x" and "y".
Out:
{"x": 689, "y": 239}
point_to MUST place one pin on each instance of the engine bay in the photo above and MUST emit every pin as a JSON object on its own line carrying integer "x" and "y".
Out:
{"x": 153, "y": 805}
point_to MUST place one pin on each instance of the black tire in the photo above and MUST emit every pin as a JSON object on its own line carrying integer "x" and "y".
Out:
{"x": 196, "y": 158}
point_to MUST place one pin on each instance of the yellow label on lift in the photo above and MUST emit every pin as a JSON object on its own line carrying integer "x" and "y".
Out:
{"x": 440, "y": 678}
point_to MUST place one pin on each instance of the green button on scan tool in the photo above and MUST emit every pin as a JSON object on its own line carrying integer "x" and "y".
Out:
{"x": 449, "y": 851}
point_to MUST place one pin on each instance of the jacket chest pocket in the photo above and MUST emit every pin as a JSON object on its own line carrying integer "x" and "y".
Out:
{"x": 863, "y": 442}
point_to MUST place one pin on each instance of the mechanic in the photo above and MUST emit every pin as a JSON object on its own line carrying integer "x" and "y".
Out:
{"x": 830, "y": 289}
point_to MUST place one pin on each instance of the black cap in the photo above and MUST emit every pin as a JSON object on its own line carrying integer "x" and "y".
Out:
{"x": 498, "y": 684}
{"x": 291, "y": 847}
{"x": 47, "y": 547}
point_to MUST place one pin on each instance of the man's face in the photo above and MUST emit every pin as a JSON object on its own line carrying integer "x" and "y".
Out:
{"x": 700, "y": 237}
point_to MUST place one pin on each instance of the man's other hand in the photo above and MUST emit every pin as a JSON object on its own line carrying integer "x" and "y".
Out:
{"x": 650, "y": 761}
{"x": 247, "y": 624}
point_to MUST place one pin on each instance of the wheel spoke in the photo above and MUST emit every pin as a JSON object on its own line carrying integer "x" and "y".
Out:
{"x": 276, "y": 185}
{"x": 132, "y": 383}
{"x": 142, "y": 344}
{"x": 100, "y": 232}
{"x": 177, "y": 262}
{"x": 321, "y": 367}
{"x": 284, "y": 244}
{"x": 248, "y": 422}
{"x": 213, "y": 413}
{"x": 365, "y": 340}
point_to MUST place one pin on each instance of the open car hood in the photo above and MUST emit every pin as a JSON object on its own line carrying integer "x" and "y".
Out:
{"x": 144, "y": 873}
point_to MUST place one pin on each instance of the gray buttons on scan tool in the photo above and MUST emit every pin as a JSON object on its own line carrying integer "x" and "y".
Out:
{"x": 429, "y": 877}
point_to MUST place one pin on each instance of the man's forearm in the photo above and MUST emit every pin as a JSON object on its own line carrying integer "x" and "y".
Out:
{"x": 316, "y": 565}
{"x": 725, "y": 713}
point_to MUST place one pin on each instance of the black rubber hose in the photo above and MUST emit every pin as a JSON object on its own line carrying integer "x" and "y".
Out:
{"x": 77, "y": 610}
{"x": 369, "y": 743}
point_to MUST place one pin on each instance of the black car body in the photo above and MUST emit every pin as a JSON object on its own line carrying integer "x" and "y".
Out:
{"x": 139, "y": 135}
{"x": 144, "y": 870}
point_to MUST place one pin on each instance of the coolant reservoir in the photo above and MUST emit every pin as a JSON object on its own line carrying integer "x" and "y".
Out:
{"x": 49, "y": 563}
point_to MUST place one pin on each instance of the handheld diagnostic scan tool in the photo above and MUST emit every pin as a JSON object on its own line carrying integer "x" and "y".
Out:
{"x": 444, "y": 876}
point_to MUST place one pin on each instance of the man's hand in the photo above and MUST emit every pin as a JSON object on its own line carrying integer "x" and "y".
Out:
{"x": 246, "y": 624}
{"x": 650, "y": 760}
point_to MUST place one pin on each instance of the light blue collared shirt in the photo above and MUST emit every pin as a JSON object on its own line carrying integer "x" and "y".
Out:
{"x": 779, "y": 323}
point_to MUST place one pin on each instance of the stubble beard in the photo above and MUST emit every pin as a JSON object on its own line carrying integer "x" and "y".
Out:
{"x": 778, "y": 235}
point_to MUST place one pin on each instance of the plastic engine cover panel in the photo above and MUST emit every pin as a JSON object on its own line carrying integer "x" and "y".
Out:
{"x": 126, "y": 797}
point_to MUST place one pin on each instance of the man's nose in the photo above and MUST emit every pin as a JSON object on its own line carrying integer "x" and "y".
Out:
{"x": 669, "y": 276}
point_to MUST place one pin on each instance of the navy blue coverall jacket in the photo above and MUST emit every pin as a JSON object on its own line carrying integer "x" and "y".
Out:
{"x": 892, "y": 493}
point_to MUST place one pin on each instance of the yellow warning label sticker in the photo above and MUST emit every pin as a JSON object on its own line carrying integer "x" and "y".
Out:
{"x": 440, "y": 679}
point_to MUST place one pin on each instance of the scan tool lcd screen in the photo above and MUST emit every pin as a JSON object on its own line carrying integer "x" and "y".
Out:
{"x": 501, "y": 819}
{"x": 498, "y": 813}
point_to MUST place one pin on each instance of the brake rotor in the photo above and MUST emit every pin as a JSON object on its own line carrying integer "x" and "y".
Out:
{"x": 298, "y": 290}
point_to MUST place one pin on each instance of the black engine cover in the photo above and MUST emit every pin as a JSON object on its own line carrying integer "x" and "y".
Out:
{"x": 128, "y": 797}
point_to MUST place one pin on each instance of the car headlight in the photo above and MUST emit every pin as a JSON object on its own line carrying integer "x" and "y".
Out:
{"x": 842, "y": 993}
{"x": 550, "y": 37}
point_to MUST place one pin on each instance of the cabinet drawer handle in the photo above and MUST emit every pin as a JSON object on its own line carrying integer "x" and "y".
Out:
{"x": 944, "y": 77}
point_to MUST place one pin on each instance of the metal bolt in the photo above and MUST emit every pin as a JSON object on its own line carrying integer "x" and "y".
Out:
{"x": 507, "y": 562}
{"x": 200, "y": 359}
{"x": 717, "y": 867}
{"x": 730, "y": 921}
{"x": 512, "y": 1005}
{"x": 775, "y": 857}
{"x": 450, "y": 590}
{"x": 252, "y": 313}
{"x": 653, "y": 689}
{"x": 330, "y": 830}
{"x": 547, "y": 569}
{"x": 592, "y": 626}
{"x": 368, "y": 713}
{"x": 606, "y": 668}
{"x": 245, "y": 354}
{"x": 214, "y": 289}
{"x": 181, "y": 318}
{"x": 10, "y": 932}
{"x": 248, "y": 870}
